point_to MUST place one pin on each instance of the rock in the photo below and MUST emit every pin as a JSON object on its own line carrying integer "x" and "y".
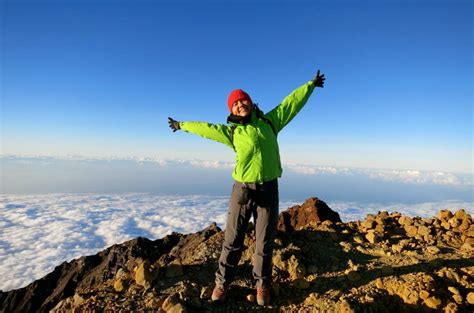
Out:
{"x": 188, "y": 293}
{"x": 277, "y": 260}
{"x": 458, "y": 299}
{"x": 327, "y": 223}
{"x": 467, "y": 246}
{"x": 346, "y": 246}
{"x": 453, "y": 275}
{"x": 433, "y": 250}
{"x": 397, "y": 248}
{"x": 345, "y": 307}
{"x": 454, "y": 222}
{"x": 464, "y": 225}
{"x": 177, "y": 308}
{"x": 301, "y": 283}
{"x": 461, "y": 214}
{"x": 78, "y": 300}
{"x": 423, "y": 231}
{"x": 369, "y": 224}
{"x": 454, "y": 290}
{"x": 122, "y": 280}
{"x": 372, "y": 237}
{"x": 174, "y": 269}
{"x": 358, "y": 239}
{"x": 379, "y": 229}
{"x": 445, "y": 215}
{"x": 188, "y": 245}
{"x": 451, "y": 308}
{"x": 470, "y": 231}
{"x": 206, "y": 292}
{"x": 469, "y": 240}
{"x": 121, "y": 273}
{"x": 121, "y": 284}
{"x": 144, "y": 274}
{"x": 251, "y": 298}
{"x": 433, "y": 303}
{"x": 64, "y": 305}
{"x": 170, "y": 302}
{"x": 445, "y": 225}
{"x": 410, "y": 296}
{"x": 470, "y": 298}
{"x": 312, "y": 299}
{"x": 295, "y": 268}
{"x": 411, "y": 231}
{"x": 153, "y": 303}
{"x": 379, "y": 283}
{"x": 405, "y": 221}
{"x": 312, "y": 211}
{"x": 423, "y": 294}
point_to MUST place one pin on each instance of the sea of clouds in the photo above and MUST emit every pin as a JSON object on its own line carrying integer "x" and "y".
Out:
{"x": 39, "y": 232}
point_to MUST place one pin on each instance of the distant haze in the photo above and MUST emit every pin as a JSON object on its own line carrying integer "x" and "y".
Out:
{"x": 26, "y": 175}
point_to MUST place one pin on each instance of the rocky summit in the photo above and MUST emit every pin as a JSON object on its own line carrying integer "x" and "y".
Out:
{"x": 385, "y": 263}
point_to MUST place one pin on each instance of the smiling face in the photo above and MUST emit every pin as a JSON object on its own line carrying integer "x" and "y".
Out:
{"x": 242, "y": 108}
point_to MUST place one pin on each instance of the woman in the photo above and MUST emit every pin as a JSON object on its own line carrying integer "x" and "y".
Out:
{"x": 253, "y": 136}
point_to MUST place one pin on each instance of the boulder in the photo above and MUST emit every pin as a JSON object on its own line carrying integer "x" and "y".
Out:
{"x": 470, "y": 298}
{"x": 372, "y": 237}
{"x": 310, "y": 212}
{"x": 445, "y": 215}
{"x": 145, "y": 274}
{"x": 433, "y": 302}
{"x": 411, "y": 231}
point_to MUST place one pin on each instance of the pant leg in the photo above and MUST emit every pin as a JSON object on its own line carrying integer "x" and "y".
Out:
{"x": 237, "y": 221}
{"x": 266, "y": 220}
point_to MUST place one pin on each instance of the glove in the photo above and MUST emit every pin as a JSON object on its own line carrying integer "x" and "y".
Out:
{"x": 174, "y": 125}
{"x": 319, "y": 80}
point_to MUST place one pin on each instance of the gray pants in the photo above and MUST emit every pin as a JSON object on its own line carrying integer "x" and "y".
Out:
{"x": 262, "y": 203}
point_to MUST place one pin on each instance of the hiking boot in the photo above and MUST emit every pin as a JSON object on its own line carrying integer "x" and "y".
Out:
{"x": 263, "y": 296}
{"x": 218, "y": 294}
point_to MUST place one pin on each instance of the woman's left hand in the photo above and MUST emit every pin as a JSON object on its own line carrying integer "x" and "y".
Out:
{"x": 319, "y": 80}
{"x": 174, "y": 125}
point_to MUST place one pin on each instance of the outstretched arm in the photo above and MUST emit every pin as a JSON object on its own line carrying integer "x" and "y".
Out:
{"x": 216, "y": 132}
{"x": 281, "y": 115}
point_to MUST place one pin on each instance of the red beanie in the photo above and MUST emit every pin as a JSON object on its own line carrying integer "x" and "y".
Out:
{"x": 235, "y": 95}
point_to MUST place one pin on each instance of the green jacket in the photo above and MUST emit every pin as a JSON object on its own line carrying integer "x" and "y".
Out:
{"x": 257, "y": 156}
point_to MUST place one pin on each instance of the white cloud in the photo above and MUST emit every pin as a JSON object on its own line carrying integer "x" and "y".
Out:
{"x": 306, "y": 169}
{"x": 418, "y": 177}
{"x": 393, "y": 175}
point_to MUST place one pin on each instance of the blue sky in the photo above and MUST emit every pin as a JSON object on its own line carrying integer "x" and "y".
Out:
{"x": 101, "y": 78}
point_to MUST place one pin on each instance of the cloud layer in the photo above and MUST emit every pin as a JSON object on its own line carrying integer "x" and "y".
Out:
{"x": 38, "y": 232}
{"x": 409, "y": 176}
